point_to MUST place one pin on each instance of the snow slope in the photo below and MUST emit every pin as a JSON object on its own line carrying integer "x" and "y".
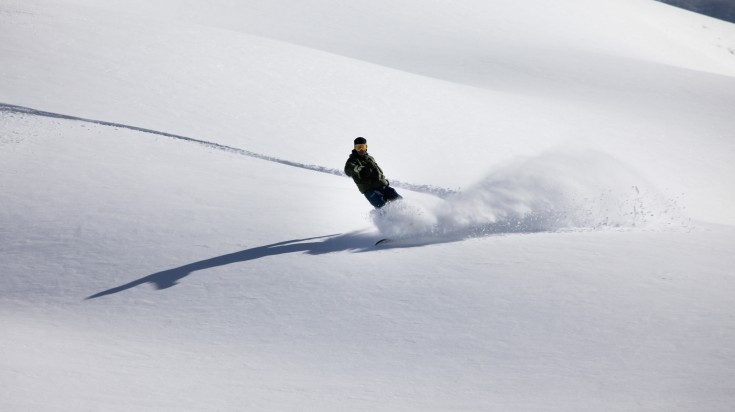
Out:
{"x": 169, "y": 241}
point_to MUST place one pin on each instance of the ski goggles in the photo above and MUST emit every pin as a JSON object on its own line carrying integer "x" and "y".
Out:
{"x": 360, "y": 147}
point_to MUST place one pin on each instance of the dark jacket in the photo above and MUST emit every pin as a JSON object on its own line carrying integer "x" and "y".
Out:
{"x": 365, "y": 172}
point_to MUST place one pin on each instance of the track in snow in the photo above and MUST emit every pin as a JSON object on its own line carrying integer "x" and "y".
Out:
{"x": 428, "y": 189}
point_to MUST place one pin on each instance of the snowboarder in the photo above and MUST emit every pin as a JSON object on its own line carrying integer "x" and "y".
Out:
{"x": 368, "y": 176}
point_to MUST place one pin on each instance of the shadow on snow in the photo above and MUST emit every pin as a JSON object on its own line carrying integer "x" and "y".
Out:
{"x": 358, "y": 242}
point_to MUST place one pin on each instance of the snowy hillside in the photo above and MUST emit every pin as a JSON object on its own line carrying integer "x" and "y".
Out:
{"x": 176, "y": 234}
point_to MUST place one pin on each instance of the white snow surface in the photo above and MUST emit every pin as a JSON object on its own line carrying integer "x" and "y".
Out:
{"x": 176, "y": 234}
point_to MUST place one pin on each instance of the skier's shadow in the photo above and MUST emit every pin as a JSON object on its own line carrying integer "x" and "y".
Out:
{"x": 314, "y": 246}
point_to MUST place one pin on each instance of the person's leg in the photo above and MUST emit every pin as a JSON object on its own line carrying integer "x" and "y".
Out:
{"x": 390, "y": 194}
{"x": 375, "y": 197}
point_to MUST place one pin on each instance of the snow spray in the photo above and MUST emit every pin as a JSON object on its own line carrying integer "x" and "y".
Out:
{"x": 555, "y": 191}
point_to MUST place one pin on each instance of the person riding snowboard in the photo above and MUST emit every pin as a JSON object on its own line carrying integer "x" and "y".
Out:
{"x": 369, "y": 178}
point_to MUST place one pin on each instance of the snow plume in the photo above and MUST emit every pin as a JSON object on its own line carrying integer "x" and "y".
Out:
{"x": 404, "y": 219}
{"x": 551, "y": 192}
